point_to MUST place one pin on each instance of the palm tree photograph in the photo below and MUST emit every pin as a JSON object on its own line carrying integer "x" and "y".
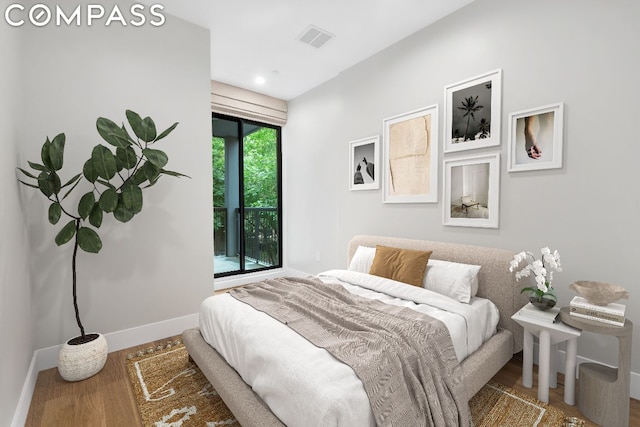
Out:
{"x": 473, "y": 109}
{"x": 471, "y": 113}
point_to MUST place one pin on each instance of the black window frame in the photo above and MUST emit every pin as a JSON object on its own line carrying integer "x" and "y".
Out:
{"x": 242, "y": 244}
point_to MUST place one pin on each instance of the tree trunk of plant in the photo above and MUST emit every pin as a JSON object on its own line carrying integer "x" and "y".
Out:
{"x": 73, "y": 269}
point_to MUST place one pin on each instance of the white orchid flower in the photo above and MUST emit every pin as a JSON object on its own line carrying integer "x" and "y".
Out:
{"x": 542, "y": 268}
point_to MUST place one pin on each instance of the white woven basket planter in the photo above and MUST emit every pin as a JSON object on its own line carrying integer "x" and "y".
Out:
{"x": 79, "y": 362}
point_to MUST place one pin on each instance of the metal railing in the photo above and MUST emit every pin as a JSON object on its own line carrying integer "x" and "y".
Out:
{"x": 260, "y": 231}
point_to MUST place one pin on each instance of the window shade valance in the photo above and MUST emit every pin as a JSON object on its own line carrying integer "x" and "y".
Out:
{"x": 238, "y": 102}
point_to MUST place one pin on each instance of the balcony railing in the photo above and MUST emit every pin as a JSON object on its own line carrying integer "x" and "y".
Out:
{"x": 261, "y": 234}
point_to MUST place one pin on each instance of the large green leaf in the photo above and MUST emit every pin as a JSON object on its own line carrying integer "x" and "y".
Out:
{"x": 49, "y": 183}
{"x": 55, "y": 211}
{"x": 37, "y": 166}
{"x": 44, "y": 184}
{"x": 148, "y": 129}
{"x": 73, "y": 180}
{"x": 106, "y": 183}
{"x": 157, "y": 157}
{"x": 95, "y": 217}
{"x": 121, "y": 213}
{"x": 67, "y": 233}
{"x": 111, "y": 132}
{"x": 132, "y": 197}
{"x": 86, "y": 204}
{"x": 127, "y": 156}
{"x": 71, "y": 189}
{"x": 166, "y": 132}
{"x": 88, "y": 240}
{"x": 150, "y": 171}
{"x": 172, "y": 173}
{"x": 109, "y": 200}
{"x": 145, "y": 129}
{"x": 56, "y": 151}
{"x": 27, "y": 173}
{"x": 89, "y": 171}
{"x": 44, "y": 154}
{"x": 138, "y": 177}
{"x": 28, "y": 185}
{"x": 134, "y": 119}
{"x": 104, "y": 162}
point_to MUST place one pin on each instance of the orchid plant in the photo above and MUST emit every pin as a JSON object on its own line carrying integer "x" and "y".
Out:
{"x": 542, "y": 270}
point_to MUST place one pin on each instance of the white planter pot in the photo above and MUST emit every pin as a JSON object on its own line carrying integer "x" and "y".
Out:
{"x": 79, "y": 362}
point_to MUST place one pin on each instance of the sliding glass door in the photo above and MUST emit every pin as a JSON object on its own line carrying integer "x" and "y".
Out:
{"x": 247, "y": 207}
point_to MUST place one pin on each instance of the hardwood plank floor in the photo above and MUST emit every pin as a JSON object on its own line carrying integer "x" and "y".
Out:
{"x": 107, "y": 398}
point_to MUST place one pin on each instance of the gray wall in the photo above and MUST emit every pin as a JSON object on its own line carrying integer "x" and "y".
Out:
{"x": 581, "y": 52}
{"x": 159, "y": 265}
{"x": 15, "y": 294}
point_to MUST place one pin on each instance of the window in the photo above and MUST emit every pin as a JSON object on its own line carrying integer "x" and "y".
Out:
{"x": 247, "y": 185}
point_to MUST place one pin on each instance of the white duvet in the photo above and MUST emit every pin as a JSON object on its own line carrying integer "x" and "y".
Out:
{"x": 305, "y": 385}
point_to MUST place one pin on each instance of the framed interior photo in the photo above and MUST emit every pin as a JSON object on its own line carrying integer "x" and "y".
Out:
{"x": 472, "y": 109}
{"x": 535, "y": 138}
{"x": 471, "y": 191}
{"x": 364, "y": 155}
{"x": 411, "y": 157}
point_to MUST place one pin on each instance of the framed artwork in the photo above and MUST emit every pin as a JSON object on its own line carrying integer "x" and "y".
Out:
{"x": 472, "y": 109}
{"x": 471, "y": 191}
{"x": 411, "y": 157}
{"x": 364, "y": 155}
{"x": 535, "y": 138}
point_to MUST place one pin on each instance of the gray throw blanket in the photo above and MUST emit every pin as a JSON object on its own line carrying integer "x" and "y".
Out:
{"x": 405, "y": 359}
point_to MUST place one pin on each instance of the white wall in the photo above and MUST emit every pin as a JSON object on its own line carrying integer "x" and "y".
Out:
{"x": 581, "y": 52}
{"x": 159, "y": 265}
{"x": 15, "y": 295}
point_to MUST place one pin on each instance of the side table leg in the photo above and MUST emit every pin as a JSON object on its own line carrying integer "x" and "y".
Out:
{"x": 570, "y": 372}
{"x": 553, "y": 369}
{"x": 527, "y": 359}
{"x": 543, "y": 366}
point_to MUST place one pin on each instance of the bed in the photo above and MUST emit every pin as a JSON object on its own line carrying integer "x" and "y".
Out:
{"x": 494, "y": 282}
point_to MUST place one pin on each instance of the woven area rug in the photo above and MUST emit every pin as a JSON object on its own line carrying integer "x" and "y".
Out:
{"x": 171, "y": 391}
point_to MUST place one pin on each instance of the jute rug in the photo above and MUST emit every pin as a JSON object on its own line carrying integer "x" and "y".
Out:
{"x": 172, "y": 392}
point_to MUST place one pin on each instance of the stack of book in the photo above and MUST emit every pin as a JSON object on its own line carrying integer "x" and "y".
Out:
{"x": 532, "y": 312}
{"x": 610, "y": 314}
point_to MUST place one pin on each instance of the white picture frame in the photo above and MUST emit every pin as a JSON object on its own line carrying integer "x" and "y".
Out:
{"x": 364, "y": 159}
{"x": 473, "y": 112}
{"x": 536, "y": 138}
{"x": 472, "y": 191}
{"x": 411, "y": 144}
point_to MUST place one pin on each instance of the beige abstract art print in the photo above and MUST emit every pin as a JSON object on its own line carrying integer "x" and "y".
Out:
{"x": 411, "y": 157}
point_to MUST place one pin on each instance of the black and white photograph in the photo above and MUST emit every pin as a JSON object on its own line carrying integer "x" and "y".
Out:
{"x": 363, "y": 160}
{"x": 535, "y": 138}
{"x": 473, "y": 112}
{"x": 471, "y": 191}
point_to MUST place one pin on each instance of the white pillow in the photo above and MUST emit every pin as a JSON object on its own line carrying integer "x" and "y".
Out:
{"x": 452, "y": 279}
{"x": 362, "y": 259}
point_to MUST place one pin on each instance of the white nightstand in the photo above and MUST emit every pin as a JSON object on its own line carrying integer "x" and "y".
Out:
{"x": 549, "y": 335}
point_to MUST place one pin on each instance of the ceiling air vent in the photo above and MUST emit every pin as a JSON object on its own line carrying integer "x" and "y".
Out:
{"x": 315, "y": 36}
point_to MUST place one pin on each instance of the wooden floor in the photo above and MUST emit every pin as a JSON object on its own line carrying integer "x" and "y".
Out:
{"x": 107, "y": 398}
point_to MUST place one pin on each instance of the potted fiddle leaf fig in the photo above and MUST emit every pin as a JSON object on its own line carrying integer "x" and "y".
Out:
{"x": 114, "y": 178}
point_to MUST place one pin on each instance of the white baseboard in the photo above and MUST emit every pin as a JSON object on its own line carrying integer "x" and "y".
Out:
{"x": 46, "y": 358}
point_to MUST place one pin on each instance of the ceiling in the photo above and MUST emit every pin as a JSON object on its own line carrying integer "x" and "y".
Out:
{"x": 258, "y": 38}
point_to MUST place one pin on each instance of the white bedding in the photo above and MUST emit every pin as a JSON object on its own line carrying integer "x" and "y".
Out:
{"x": 305, "y": 385}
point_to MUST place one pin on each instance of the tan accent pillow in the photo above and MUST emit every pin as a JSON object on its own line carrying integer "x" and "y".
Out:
{"x": 403, "y": 265}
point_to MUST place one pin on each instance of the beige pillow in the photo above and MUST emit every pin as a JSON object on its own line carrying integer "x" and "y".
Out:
{"x": 403, "y": 265}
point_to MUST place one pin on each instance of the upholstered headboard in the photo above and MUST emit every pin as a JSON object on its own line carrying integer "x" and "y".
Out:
{"x": 495, "y": 282}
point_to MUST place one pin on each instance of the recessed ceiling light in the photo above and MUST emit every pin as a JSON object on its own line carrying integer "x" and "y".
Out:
{"x": 260, "y": 80}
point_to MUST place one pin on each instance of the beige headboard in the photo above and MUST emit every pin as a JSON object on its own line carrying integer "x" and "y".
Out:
{"x": 495, "y": 282}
